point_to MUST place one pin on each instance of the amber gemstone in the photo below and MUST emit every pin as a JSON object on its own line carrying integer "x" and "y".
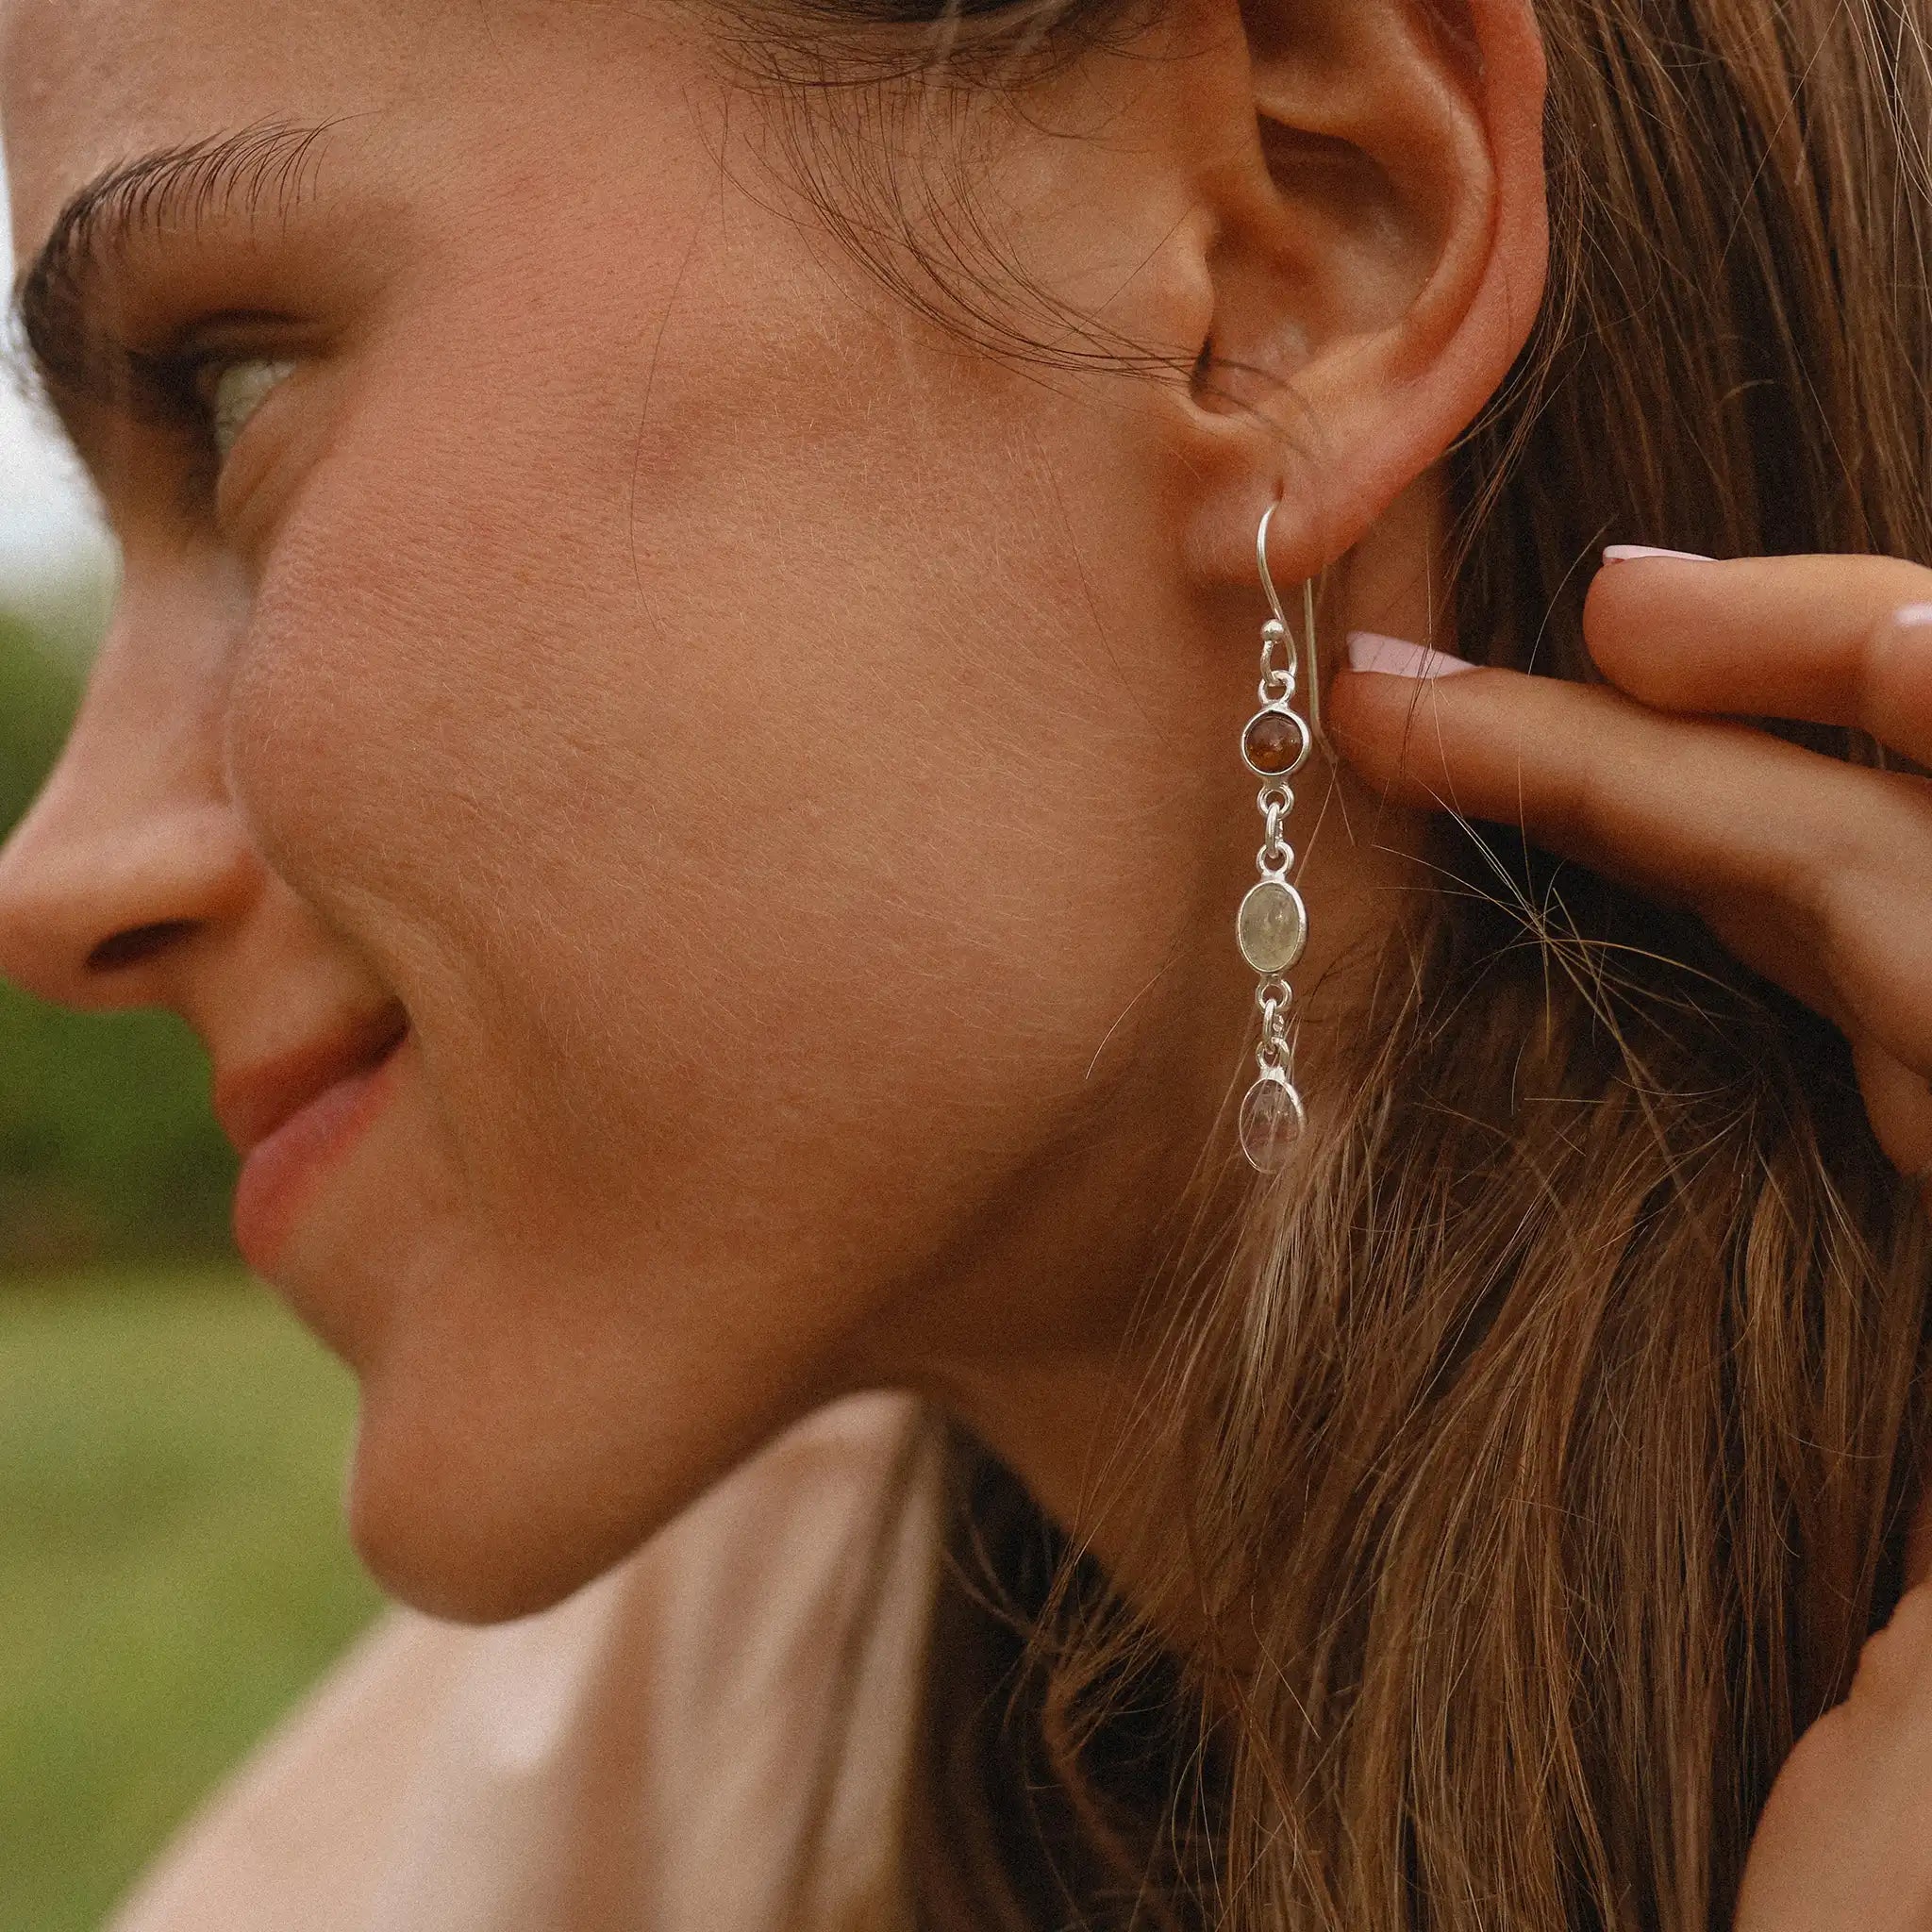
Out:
{"x": 1274, "y": 744}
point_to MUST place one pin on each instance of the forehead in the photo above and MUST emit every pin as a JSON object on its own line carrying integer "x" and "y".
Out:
{"x": 86, "y": 85}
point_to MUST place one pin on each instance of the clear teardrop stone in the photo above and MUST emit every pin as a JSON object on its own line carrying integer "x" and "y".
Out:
{"x": 1272, "y": 1121}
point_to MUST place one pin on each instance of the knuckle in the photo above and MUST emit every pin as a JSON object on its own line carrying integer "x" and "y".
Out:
{"x": 1822, "y": 1758}
{"x": 1837, "y": 916}
{"x": 1878, "y": 1663}
{"x": 1914, "y": 1612}
{"x": 1592, "y": 794}
{"x": 1878, "y": 584}
{"x": 1857, "y": 856}
{"x": 1812, "y": 878}
{"x": 1895, "y": 1659}
{"x": 1897, "y": 580}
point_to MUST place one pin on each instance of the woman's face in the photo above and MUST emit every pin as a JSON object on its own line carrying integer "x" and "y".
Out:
{"x": 756, "y": 774}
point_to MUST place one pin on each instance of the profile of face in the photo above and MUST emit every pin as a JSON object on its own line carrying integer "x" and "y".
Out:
{"x": 694, "y": 803}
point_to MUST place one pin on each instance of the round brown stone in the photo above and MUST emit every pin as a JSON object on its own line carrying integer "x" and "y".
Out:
{"x": 1274, "y": 744}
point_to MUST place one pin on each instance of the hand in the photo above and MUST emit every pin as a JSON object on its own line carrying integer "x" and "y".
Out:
{"x": 1816, "y": 872}
{"x": 1845, "y": 1843}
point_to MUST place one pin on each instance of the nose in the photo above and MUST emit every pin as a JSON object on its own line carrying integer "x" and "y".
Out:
{"x": 132, "y": 856}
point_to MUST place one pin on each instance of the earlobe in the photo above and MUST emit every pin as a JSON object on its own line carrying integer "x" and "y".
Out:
{"x": 1377, "y": 257}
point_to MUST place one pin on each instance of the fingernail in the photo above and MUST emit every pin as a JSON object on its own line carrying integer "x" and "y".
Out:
{"x": 1633, "y": 553}
{"x": 1368, "y": 650}
{"x": 1913, "y": 616}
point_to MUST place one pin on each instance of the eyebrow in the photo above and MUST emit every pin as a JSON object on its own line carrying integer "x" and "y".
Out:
{"x": 268, "y": 167}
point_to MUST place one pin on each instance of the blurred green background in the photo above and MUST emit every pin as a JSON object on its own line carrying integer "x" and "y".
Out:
{"x": 172, "y": 1570}
{"x": 107, "y": 1147}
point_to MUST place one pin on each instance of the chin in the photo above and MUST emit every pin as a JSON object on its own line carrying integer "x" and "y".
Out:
{"x": 498, "y": 1470}
{"x": 445, "y": 1534}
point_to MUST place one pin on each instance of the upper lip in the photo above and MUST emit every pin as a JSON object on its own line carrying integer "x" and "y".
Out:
{"x": 251, "y": 1101}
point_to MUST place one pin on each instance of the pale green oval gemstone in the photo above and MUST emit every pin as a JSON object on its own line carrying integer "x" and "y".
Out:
{"x": 1274, "y": 927}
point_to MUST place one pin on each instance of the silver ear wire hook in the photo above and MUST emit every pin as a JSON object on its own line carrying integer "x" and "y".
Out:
{"x": 1307, "y": 639}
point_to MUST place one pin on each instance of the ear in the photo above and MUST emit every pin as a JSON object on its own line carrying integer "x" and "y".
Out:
{"x": 1372, "y": 257}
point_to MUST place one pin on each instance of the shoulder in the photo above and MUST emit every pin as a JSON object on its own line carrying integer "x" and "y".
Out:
{"x": 636, "y": 1755}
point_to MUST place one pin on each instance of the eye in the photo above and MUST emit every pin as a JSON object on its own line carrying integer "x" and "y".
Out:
{"x": 230, "y": 389}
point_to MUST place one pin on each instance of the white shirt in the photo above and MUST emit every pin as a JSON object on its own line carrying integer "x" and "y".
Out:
{"x": 642, "y": 1758}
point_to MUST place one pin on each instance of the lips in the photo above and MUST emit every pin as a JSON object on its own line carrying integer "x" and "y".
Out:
{"x": 253, "y": 1102}
{"x": 294, "y": 1117}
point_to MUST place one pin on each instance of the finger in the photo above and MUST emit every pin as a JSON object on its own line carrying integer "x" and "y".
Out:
{"x": 1815, "y": 872}
{"x": 1895, "y": 1665}
{"x": 1898, "y": 1103}
{"x": 1842, "y": 641}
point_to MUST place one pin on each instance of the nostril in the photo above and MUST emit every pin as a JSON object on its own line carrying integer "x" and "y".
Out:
{"x": 136, "y": 945}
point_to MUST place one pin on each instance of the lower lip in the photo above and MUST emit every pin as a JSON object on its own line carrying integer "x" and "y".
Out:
{"x": 283, "y": 1172}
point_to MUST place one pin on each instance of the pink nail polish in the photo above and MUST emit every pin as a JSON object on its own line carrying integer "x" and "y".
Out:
{"x": 1370, "y": 651}
{"x": 1636, "y": 552}
{"x": 1913, "y": 617}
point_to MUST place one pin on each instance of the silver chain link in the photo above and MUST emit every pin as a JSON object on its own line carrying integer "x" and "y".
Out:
{"x": 1273, "y": 997}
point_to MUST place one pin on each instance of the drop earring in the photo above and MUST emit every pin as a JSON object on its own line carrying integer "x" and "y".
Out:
{"x": 1272, "y": 926}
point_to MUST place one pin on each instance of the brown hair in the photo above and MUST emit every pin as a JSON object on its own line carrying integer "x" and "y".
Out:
{"x": 1554, "y": 1427}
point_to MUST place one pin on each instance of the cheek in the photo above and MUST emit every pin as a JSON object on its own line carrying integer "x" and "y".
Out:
{"x": 444, "y": 735}
{"x": 736, "y": 777}
{"x": 768, "y": 811}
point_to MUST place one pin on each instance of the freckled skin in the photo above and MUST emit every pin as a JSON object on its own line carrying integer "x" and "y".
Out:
{"x": 784, "y": 764}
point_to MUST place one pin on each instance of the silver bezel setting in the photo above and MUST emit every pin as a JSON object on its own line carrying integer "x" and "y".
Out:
{"x": 1269, "y": 885}
{"x": 1301, "y": 757}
